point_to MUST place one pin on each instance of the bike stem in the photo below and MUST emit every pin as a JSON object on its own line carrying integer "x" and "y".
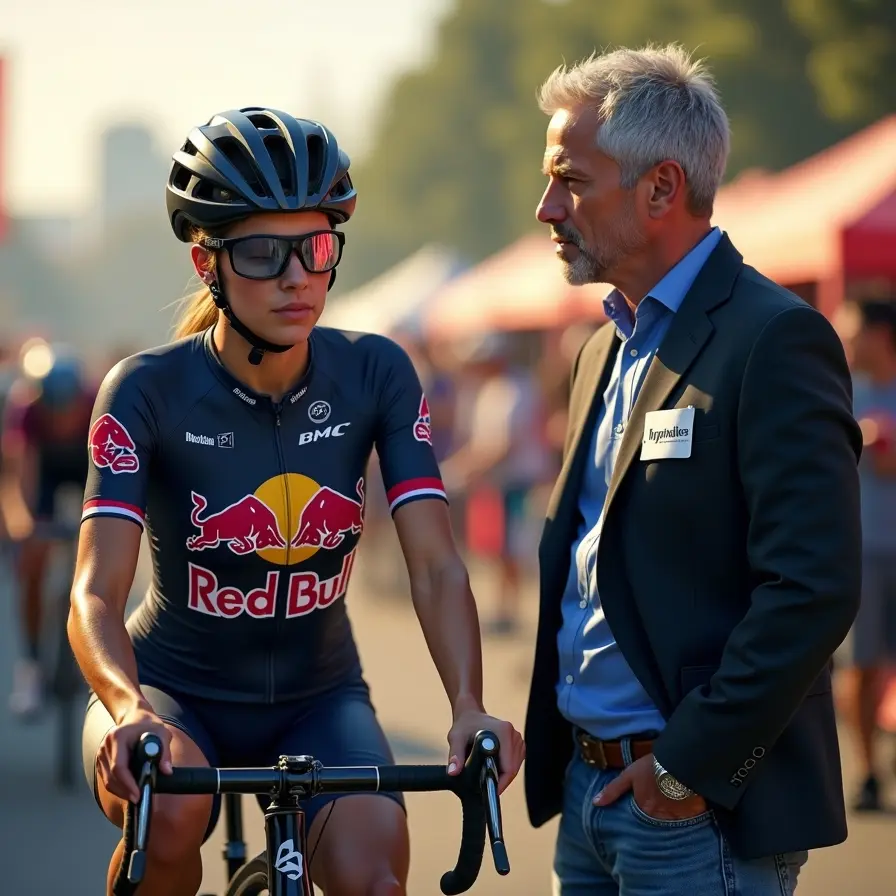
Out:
{"x": 285, "y": 835}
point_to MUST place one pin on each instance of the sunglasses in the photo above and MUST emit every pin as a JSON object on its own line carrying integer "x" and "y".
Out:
{"x": 261, "y": 257}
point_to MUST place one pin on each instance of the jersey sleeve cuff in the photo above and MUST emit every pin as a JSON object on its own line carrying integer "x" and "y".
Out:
{"x": 414, "y": 490}
{"x": 105, "y": 507}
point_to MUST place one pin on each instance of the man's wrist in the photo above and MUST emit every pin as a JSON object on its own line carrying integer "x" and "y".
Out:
{"x": 669, "y": 786}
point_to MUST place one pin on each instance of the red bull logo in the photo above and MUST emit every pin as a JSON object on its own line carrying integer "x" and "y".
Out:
{"x": 423, "y": 426}
{"x": 290, "y": 506}
{"x": 328, "y": 517}
{"x": 246, "y": 525}
{"x": 305, "y": 593}
{"x": 288, "y": 519}
{"x": 111, "y": 446}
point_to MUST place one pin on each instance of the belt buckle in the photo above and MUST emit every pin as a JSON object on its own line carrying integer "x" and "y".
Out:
{"x": 590, "y": 744}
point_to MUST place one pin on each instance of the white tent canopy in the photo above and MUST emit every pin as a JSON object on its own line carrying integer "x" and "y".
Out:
{"x": 397, "y": 298}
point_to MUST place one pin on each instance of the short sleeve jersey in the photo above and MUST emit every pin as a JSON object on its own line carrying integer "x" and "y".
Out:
{"x": 253, "y": 508}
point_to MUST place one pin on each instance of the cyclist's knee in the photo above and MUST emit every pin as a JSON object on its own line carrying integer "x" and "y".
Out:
{"x": 386, "y": 886}
{"x": 356, "y": 881}
{"x": 177, "y": 828}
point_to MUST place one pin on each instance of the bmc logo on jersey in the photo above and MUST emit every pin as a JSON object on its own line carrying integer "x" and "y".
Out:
{"x": 111, "y": 446}
{"x": 317, "y": 434}
{"x": 423, "y": 426}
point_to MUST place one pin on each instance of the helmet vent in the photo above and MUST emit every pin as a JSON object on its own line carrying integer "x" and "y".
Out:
{"x": 284, "y": 163}
{"x": 316, "y": 157}
{"x": 341, "y": 188}
{"x": 237, "y": 155}
{"x": 180, "y": 177}
{"x": 262, "y": 121}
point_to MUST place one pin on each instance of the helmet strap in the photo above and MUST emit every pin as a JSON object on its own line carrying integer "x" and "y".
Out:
{"x": 259, "y": 345}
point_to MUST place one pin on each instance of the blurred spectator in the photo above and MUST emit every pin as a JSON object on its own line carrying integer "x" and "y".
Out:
{"x": 554, "y": 370}
{"x": 8, "y": 370}
{"x": 505, "y": 451}
{"x": 46, "y": 422}
{"x": 873, "y": 351}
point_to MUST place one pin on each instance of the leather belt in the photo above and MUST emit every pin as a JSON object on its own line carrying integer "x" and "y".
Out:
{"x": 607, "y": 754}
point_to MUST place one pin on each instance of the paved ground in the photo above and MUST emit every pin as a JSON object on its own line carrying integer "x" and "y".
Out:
{"x": 51, "y": 842}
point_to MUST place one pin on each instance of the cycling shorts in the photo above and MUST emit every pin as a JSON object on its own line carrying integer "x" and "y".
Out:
{"x": 338, "y": 727}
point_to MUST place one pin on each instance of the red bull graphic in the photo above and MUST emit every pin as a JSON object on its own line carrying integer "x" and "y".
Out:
{"x": 246, "y": 525}
{"x": 207, "y": 596}
{"x": 305, "y": 593}
{"x": 423, "y": 426}
{"x": 328, "y": 517}
{"x": 317, "y": 517}
{"x": 111, "y": 446}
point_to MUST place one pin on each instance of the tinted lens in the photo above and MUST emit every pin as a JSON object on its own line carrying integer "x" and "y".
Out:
{"x": 320, "y": 252}
{"x": 260, "y": 256}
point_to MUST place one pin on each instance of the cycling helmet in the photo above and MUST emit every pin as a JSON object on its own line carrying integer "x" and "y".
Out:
{"x": 54, "y": 371}
{"x": 252, "y": 160}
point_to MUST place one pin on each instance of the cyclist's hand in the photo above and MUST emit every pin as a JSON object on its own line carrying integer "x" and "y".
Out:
{"x": 466, "y": 724}
{"x": 114, "y": 757}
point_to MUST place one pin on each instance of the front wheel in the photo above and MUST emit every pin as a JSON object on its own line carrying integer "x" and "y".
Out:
{"x": 251, "y": 879}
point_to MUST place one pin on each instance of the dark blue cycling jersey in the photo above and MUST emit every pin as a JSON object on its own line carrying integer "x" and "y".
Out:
{"x": 253, "y": 509}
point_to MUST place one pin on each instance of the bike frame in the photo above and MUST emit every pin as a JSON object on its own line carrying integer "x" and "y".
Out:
{"x": 286, "y": 845}
{"x": 284, "y": 827}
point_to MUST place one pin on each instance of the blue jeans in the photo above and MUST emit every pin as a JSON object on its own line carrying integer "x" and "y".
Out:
{"x": 620, "y": 850}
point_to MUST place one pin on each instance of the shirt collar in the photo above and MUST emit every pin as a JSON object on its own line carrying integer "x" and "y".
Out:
{"x": 671, "y": 289}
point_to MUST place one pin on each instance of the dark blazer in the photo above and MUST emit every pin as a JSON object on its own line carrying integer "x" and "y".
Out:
{"x": 728, "y": 578}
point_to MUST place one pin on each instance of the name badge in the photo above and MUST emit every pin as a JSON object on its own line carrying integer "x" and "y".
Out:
{"x": 668, "y": 434}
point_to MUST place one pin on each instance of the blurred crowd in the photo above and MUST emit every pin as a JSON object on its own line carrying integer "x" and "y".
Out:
{"x": 498, "y": 408}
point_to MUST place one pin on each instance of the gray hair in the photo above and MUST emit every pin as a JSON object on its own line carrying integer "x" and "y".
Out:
{"x": 653, "y": 104}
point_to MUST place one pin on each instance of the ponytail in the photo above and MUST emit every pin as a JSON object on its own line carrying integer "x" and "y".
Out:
{"x": 199, "y": 311}
{"x": 198, "y": 314}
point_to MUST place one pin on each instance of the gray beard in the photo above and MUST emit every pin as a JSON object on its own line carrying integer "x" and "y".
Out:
{"x": 595, "y": 265}
{"x": 585, "y": 269}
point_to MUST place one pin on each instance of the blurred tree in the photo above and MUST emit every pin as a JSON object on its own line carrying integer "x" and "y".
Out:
{"x": 457, "y": 152}
{"x": 853, "y": 46}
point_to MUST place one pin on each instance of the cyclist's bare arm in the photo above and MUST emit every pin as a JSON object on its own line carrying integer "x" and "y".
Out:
{"x": 443, "y": 601}
{"x": 17, "y": 483}
{"x": 107, "y": 559}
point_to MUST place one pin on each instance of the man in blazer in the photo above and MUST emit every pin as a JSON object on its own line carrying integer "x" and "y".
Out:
{"x": 701, "y": 558}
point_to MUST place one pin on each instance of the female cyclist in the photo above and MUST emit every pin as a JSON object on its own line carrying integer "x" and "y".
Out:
{"x": 242, "y": 448}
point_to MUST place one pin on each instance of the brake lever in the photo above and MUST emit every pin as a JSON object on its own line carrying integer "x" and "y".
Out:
{"x": 149, "y": 752}
{"x": 490, "y": 775}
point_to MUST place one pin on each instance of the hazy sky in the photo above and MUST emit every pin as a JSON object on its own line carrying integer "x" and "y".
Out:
{"x": 75, "y": 66}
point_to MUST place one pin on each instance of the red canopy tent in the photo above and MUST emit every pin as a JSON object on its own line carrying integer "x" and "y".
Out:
{"x": 826, "y": 220}
{"x": 519, "y": 288}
